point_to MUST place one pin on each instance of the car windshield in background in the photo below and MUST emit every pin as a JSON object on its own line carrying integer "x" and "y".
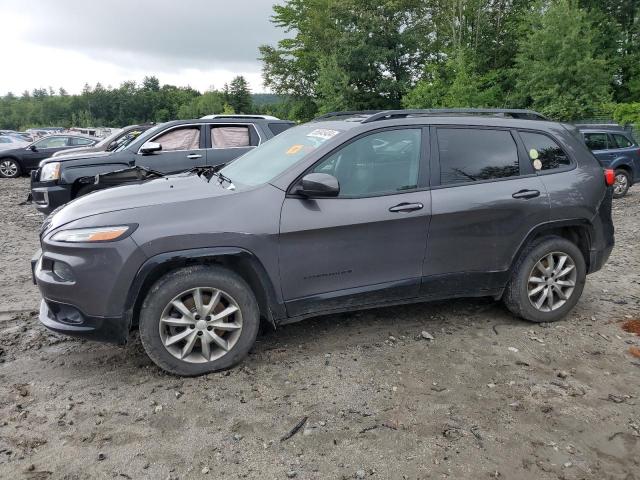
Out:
{"x": 125, "y": 139}
{"x": 145, "y": 135}
{"x": 277, "y": 155}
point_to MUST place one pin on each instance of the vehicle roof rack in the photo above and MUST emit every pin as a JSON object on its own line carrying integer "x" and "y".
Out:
{"x": 501, "y": 112}
{"x": 242, "y": 116}
{"x": 348, "y": 113}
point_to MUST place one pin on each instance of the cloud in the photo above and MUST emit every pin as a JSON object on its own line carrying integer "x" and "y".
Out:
{"x": 174, "y": 40}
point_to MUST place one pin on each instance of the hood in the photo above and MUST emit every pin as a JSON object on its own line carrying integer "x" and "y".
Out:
{"x": 170, "y": 189}
{"x": 74, "y": 156}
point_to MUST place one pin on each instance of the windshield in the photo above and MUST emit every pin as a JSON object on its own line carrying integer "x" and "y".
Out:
{"x": 270, "y": 159}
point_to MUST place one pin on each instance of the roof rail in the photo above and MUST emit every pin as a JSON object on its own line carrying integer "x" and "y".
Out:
{"x": 348, "y": 113}
{"x": 503, "y": 112}
{"x": 242, "y": 116}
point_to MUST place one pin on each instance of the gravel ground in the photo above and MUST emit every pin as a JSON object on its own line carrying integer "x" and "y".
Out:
{"x": 488, "y": 397}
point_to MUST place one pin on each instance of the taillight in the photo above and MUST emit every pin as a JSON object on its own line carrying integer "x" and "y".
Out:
{"x": 609, "y": 176}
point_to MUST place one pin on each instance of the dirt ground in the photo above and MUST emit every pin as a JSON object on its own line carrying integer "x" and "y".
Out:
{"x": 489, "y": 397}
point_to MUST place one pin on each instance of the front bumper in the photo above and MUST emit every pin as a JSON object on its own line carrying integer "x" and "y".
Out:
{"x": 68, "y": 320}
{"x": 47, "y": 196}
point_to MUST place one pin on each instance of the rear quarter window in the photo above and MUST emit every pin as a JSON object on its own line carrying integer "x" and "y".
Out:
{"x": 545, "y": 150}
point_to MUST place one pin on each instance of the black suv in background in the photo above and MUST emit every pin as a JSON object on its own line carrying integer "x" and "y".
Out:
{"x": 166, "y": 148}
{"x": 615, "y": 148}
{"x": 347, "y": 212}
{"x": 17, "y": 161}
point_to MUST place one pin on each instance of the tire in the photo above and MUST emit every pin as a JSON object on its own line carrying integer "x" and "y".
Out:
{"x": 517, "y": 294}
{"x": 180, "y": 284}
{"x": 622, "y": 183}
{"x": 10, "y": 168}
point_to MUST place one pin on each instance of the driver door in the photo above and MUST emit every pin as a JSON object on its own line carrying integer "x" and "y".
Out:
{"x": 44, "y": 148}
{"x": 182, "y": 149}
{"x": 365, "y": 246}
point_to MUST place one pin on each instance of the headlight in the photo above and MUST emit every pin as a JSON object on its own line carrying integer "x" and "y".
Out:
{"x": 51, "y": 171}
{"x": 101, "y": 234}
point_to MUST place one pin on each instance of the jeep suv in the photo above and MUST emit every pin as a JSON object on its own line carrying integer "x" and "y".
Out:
{"x": 166, "y": 148}
{"x": 343, "y": 213}
{"x": 615, "y": 148}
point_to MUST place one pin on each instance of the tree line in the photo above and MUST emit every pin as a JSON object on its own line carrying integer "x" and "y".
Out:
{"x": 568, "y": 59}
{"x": 127, "y": 104}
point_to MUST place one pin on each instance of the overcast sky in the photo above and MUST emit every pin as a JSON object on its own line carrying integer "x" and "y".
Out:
{"x": 67, "y": 43}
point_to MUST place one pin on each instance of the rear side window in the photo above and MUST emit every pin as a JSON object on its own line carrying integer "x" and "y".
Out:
{"x": 544, "y": 152}
{"x": 622, "y": 141}
{"x": 81, "y": 141}
{"x": 471, "y": 155}
{"x": 597, "y": 141}
{"x": 277, "y": 128}
{"x": 234, "y": 136}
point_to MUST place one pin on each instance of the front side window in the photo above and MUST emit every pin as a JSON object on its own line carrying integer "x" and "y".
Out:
{"x": 473, "y": 154}
{"x": 544, "y": 152}
{"x": 596, "y": 141}
{"x": 380, "y": 163}
{"x": 187, "y": 138}
{"x": 52, "y": 142}
{"x": 622, "y": 141}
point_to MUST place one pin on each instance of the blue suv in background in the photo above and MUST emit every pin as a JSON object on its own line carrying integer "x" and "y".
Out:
{"x": 615, "y": 148}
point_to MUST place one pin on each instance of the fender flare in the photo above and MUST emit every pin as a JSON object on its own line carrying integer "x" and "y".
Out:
{"x": 154, "y": 267}
{"x": 552, "y": 225}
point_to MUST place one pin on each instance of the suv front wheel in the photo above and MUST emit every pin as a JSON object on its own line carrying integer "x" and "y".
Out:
{"x": 547, "y": 281}
{"x": 198, "y": 320}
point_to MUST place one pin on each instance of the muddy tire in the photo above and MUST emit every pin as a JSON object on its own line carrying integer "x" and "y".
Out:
{"x": 198, "y": 320}
{"x": 547, "y": 281}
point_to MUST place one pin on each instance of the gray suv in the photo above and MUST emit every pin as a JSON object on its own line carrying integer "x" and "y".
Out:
{"x": 343, "y": 213}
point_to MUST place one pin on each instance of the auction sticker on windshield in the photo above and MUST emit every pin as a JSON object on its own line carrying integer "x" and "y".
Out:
{"x": 323, "y": 133}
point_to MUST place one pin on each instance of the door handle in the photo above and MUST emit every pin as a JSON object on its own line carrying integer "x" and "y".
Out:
{"x": 526, "y": 194}
{"x": 193, "y": 156}
{"x": 406, "y": 207}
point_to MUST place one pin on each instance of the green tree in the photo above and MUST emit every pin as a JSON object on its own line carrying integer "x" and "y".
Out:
{"x": 558, "y": 69}
{"x": 239, "y": 95}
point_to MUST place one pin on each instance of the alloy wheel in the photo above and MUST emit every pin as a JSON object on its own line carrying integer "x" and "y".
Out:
{"x": 620, "y": 185}
{"x": 200, "y": 325}
{"x": 552, "y": 281}
{"x": 8, "y": 168}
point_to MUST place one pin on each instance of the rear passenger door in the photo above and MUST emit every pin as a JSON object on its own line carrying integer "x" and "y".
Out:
{"x": 182, "y": 149}
{"x": 228, "y": 141}
{"x": 600, "y": 144}
{"x": 486, "y": 198}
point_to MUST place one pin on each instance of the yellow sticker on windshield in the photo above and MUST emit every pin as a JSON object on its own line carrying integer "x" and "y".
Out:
{"x": 533, "y": 153}
{"x": 294, "y": 149}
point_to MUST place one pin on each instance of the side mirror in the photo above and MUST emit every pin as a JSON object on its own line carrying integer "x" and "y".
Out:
{"x": 33, "y": 148}
{"x": 318, "y": 185}
{"x": 150, "y": 147}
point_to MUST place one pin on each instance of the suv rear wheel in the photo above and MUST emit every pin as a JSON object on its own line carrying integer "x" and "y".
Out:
{"x": 622, "y": 183}
{"x": 547, "y": 281}
{"x": 198, "y": 320}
